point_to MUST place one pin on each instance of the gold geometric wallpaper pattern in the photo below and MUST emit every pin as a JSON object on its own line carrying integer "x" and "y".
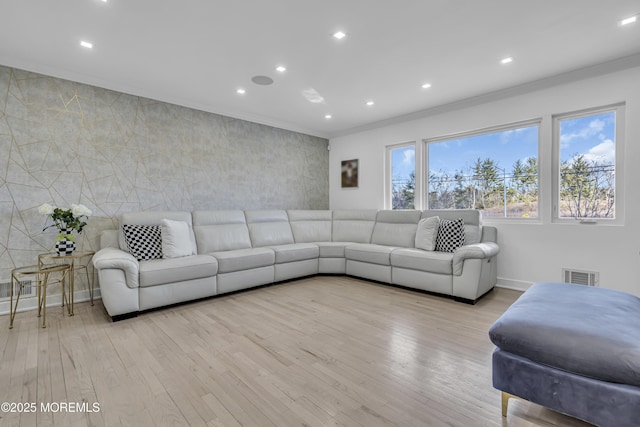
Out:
{"x": 63, "y": 142}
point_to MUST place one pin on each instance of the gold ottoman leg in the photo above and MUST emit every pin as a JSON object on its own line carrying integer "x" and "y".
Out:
{"x": 505, "y": 402}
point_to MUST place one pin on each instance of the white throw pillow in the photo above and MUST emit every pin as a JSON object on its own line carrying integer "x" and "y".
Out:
{"x": 427, "y": 233}
{"x": 175, "y": 239}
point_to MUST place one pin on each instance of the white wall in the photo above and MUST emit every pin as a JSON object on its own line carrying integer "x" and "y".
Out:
{"x": 530, "y": 252}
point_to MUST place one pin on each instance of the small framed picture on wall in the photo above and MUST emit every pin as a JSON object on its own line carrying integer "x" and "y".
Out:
{"x": 349, "y": 171}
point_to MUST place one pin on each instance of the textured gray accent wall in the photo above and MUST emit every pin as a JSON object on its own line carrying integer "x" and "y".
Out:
{"x": 63, "y": 142}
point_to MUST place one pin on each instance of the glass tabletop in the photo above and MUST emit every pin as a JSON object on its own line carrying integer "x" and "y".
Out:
{"x": 38, "y": 269}
{"x": 75, "y": 254}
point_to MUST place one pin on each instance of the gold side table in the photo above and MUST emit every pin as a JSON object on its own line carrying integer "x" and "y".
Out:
{"x": 75, "y": 263}
{"x": 42, "y": 273}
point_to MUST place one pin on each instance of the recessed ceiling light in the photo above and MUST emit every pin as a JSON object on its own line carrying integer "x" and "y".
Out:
{"x": 241, "y": 91}
{"x": 370, "y": 103}
{"x": 88, "y": 45}
{"x": 281, "y": 68}
{"x": 426, "y": 86}
{"x": 506, "y": 60}
{"x": 629, "y": 20}
{"x": 327, "y": 116}
{"x": 339, "y": 35}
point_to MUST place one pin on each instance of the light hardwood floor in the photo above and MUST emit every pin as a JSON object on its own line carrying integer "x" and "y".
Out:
{"x": 323, "y": 351}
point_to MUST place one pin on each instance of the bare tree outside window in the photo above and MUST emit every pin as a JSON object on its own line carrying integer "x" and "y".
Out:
{"x": 587, "y": 166}
{"x": 496, "y": 172}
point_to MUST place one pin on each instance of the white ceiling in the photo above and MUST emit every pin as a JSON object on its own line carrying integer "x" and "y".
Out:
{"x": 196, "y": 53}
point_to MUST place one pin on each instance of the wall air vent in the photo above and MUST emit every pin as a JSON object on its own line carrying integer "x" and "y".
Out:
{"x": 580, "y": 277}
{"x": 27, "y": 291}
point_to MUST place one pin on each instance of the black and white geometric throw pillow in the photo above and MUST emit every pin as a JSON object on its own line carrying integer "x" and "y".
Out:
{"x": 144, "y": 241}
{"x": 450, "y": 235}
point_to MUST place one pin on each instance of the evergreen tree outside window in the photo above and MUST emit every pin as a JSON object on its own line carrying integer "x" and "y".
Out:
{"x": 495, "y": 171}
{"x": 403, "y": 176}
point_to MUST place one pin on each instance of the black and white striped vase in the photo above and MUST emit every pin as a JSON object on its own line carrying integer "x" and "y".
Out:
{"x": 65, "y": 243}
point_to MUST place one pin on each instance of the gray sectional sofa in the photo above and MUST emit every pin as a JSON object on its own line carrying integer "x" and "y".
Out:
{"x": 231, "y": 250}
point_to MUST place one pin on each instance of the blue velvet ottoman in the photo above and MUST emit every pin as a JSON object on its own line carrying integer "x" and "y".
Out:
{"x": 574, "y": 349}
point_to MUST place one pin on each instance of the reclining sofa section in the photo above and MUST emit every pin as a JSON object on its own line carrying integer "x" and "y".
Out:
{"x": 231, "y": 250}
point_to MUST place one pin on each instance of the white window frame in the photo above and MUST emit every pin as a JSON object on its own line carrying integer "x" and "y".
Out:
{"x": 619, "y": 110}
{"x": 492, "y": 129}
{"x": 388, "y": 179}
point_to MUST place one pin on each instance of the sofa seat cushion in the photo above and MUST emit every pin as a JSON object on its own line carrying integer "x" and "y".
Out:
{"x": 244, "y": 259}
{"x": 332, "y": 249}
{"x": 170, "y": 270}
{"x": 367, "y": 252}
{"x": 589, "y": 331}
{"x": 417, "y": 259}
{"x": 295, "y": 252}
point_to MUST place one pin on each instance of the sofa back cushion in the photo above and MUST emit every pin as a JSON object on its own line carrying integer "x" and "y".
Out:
{"x": 353, "y": 225}
{"x": 396, "y": 228}
{"x": 224, "y": 230}
{"x": 154, "y": 218}
{"x": 310, "y": 226}
{"x": 471, "y": 218}
{"x": 269, "y": 228}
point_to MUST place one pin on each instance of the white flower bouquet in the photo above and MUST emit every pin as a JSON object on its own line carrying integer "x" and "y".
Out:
{"x": 66, "y": 220}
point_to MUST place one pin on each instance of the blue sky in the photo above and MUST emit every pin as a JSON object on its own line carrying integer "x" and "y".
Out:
{"x": 403, "y": 162}
{"x": 505, "y": 147}
{"x": 593, "y": 136}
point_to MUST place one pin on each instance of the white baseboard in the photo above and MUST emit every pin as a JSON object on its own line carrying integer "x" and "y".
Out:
{"x": 516, "y": 285}
{"x": 31, "y": 303}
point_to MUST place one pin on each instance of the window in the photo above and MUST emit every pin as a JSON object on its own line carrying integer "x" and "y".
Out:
{"x": 495, "y": 170}
{"x": 401, "y": 161}
{"x": 586, "y": 171}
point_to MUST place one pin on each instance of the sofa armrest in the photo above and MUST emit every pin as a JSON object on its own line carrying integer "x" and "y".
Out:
{"x": 475, "y": 251}
{"x": 112, "y": 258}
{"x": 489, "y": 234}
